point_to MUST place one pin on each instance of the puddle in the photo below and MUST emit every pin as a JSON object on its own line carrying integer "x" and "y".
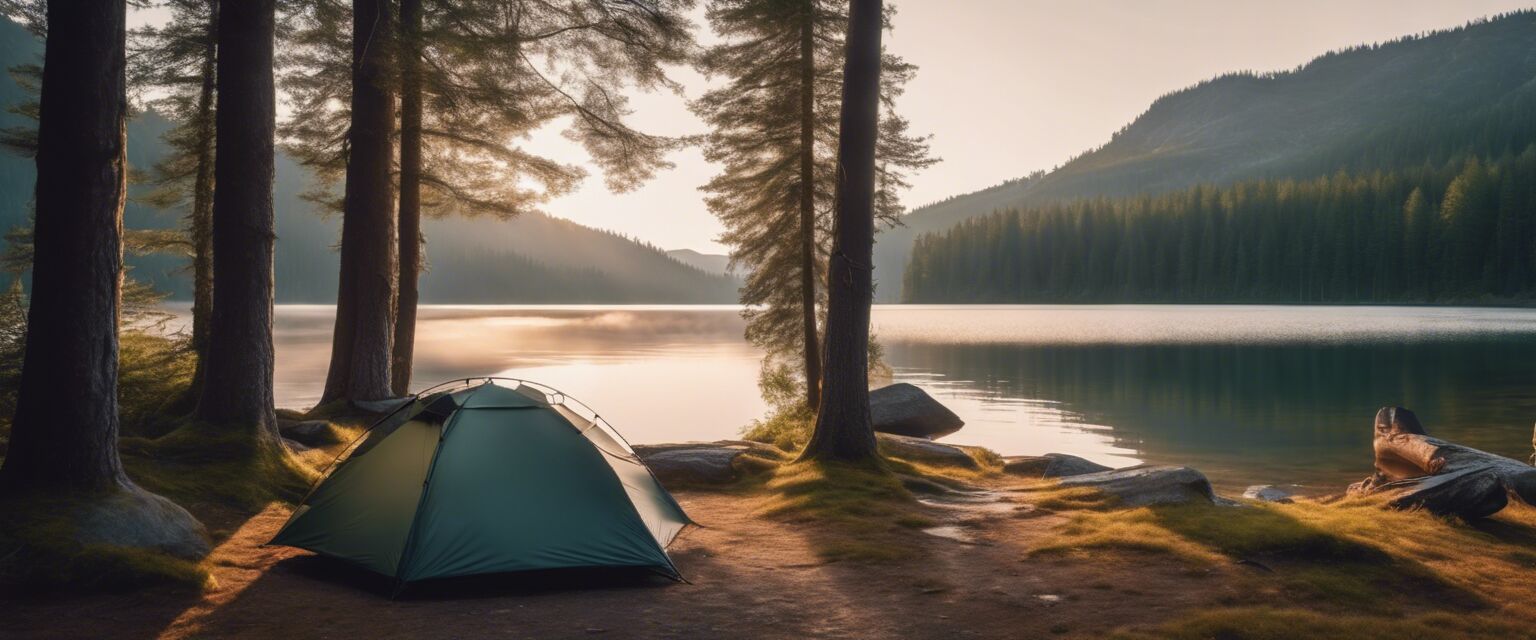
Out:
{"x": 951, "y": 532}
{"x": 973, "y": 502}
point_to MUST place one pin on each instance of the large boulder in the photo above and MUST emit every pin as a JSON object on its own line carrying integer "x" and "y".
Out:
{"x": 1050, "y": 465}
{"x": 1148, "y": 485}
{"x": 133, "y": 517}
{"x": 701, "y": 462}
{"x": 906, "y": 410}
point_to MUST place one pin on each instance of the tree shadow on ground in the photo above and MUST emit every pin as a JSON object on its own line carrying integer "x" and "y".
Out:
{"x": 1319, "y": 567}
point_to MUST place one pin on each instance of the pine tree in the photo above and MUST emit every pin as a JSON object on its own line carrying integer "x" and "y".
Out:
{"x": 1378, "y": 237}
{"x": 774, "y": 128}
{"x": 238, "y": 389}
{"x": 64, "y": 432}
{"x": 177, "y": 59}
{"x": 365, "y": 301}
{"x": 843, "y": 429}
{"x": 477, "y": 75}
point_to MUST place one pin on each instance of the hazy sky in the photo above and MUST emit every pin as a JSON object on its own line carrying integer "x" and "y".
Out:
{"x": 1006, "y": 87}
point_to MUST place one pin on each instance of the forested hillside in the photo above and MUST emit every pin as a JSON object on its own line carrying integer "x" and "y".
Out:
{"x": 1460, "y": 232}
{"x": 533, "y": 258}
{"x": 1435, "y": 99}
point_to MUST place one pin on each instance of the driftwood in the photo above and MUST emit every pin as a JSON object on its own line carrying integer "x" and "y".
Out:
{"x": 1421, "y": 472}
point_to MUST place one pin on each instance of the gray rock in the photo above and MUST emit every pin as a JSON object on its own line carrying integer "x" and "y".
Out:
{"x": 700, "y": 462}
{"x": 311, "y": 433}
{"x": 1147, "y": 485}
{"x": 1051, "y": 465}
{"x": 906, "y": 410}
{"x": 925, "y": 450}
{"x": 133, "y": 517}
{"x": 385, "y": 405}
{"x": 1268, "y": 493}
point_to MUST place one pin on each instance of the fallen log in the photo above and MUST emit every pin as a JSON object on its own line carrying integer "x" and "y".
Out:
{"x": 1422, "y": 472}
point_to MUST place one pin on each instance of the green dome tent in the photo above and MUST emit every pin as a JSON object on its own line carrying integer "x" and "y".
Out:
{"x": 480, "y": 478}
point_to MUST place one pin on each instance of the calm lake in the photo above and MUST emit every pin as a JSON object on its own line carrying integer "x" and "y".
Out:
{"x": 1280, "y": 395}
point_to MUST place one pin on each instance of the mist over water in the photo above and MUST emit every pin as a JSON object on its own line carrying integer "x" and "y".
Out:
{"x": 1276, "y": 395}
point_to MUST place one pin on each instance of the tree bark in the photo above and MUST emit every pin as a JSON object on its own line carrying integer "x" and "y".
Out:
{"x": 812, "y": 346}
{"x": 64, "y": 435}
{"x": 201, "y": 219}
{"x": 410, "y": 195}
{"x": 238, "y": 388}
{"x": 843, "y": 428}
{"x": 1445, "y": 478}
{"x": 361, "y": 346}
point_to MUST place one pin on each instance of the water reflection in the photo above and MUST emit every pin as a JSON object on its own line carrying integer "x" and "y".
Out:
{"x": 658, "y": 373}
{"x": 1246, "y": 393}
{"x": 1249, "y": 394}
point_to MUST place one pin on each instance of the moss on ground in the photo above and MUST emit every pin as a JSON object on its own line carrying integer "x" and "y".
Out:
{"x": 865, "y": 511}
{"x": 200, "y": 463}
{"x": 856, "y": 511}
{"x": 1334, "y": 568}
{"x": 40, "y": 553}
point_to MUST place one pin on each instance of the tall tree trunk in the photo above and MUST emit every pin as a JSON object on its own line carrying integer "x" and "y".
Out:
{"x": 843, "y": 428}
{"x": 812, "y": 346}
{"x": 410, "y": 195}
{"x": 361, "y": 347}
{"x": 238, "y": 388}
{"x": 201, "y": 220}
{"x": 64, "y": 436}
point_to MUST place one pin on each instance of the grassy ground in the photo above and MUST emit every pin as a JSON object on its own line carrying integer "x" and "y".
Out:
{"x": 217, "y": 474}
{"x": 1345, "y": 568}
{"x": 1334, "y": 568}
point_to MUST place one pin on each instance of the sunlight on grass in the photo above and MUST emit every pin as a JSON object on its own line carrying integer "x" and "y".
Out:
{"x": 1347, "y": 555}
{"x": 853, "y": 512}
{"x": 199, "y": 463}
{"x": 40, "y": 553}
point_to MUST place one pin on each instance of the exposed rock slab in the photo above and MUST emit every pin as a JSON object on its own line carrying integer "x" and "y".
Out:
{"x": 906, "y": 410}
{"x": 1051, "y": 465}
{"x": 700, "y": 462}
{"x": 1149, "y": 485}
{"x": 924, "y": 450}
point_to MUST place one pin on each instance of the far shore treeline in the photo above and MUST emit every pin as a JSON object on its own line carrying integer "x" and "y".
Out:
{"x": 1464, "y": 231}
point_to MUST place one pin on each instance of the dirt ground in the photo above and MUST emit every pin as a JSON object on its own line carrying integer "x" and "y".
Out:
{"x": 750, "y": 576}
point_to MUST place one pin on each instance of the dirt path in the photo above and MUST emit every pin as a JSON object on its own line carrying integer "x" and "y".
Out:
{"x": 750, "y": 576}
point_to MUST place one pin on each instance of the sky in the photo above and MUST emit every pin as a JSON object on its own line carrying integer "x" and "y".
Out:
{"x": 1007, "y": 87}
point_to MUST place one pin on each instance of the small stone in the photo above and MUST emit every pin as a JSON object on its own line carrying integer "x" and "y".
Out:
{"x": 1268, "y": 493}
{"x": 310, "y": 433}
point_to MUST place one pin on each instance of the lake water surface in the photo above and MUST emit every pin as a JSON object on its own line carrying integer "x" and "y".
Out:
{"x": 1281, "y": 395}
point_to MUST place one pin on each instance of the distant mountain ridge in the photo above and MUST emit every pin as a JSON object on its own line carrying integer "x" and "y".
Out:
{"x": 529, "y": 259}
{"x": 715, "y": 263}
{"x": 1415, "y": 100}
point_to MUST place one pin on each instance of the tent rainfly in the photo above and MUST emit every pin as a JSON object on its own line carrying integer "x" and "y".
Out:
{"x": 481, "y": 478}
